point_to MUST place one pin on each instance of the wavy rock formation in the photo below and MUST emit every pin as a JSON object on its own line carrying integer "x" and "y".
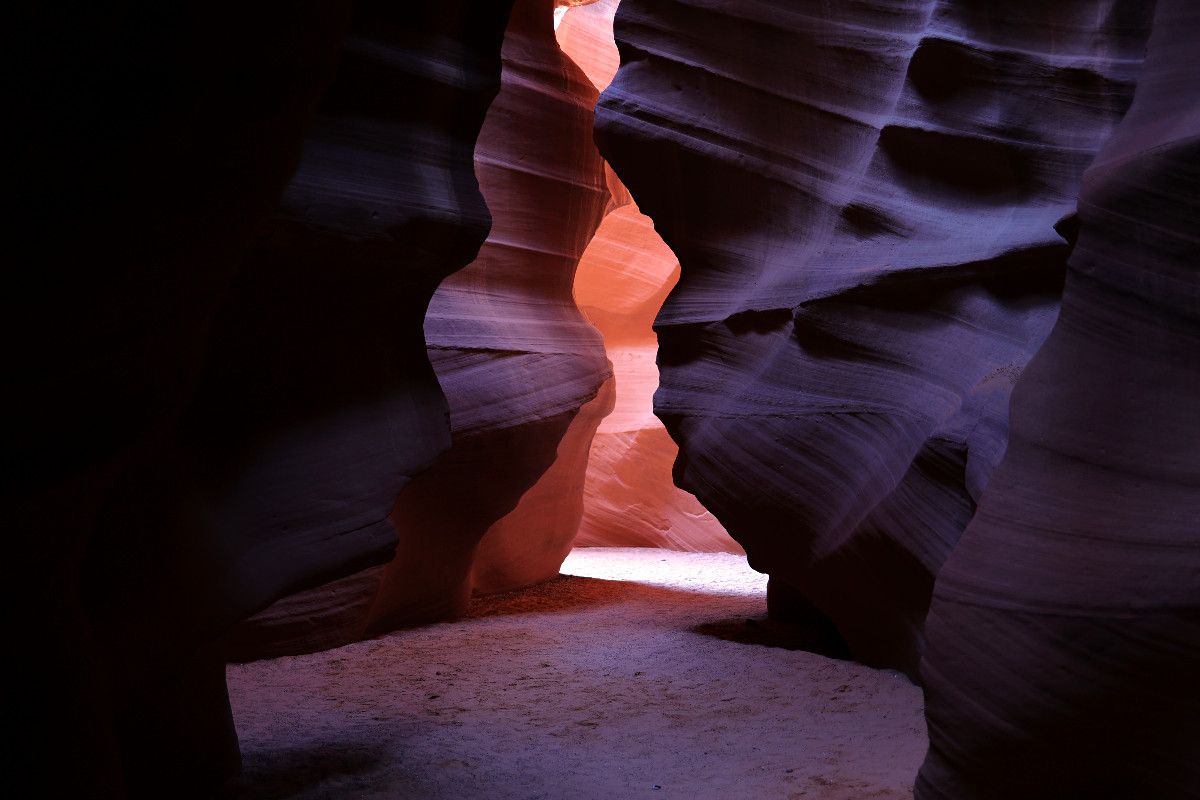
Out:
{"x": 181, "y": 467}
{"x": 622, "y": 280}
{"x": 1064, "y": 635}
{"x": 871, "y": 204}
{"x": 584, "y": 31}
{"x": 520, "y": 367}
{"x": 630, "y": 500}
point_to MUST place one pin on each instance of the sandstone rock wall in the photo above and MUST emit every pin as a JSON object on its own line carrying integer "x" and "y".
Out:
{"x": 629, "y": 498}
{"x": 216, "y": 405}
{"x": 1064, "y": 634}
{"x": 872, "y": 206}
{"x": 623, "y": 278}
{"x": 542, "y": 174}
{"x": 520, "y": 367}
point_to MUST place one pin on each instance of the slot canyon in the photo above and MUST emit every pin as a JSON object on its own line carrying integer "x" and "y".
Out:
{"x": 520, "y": 399}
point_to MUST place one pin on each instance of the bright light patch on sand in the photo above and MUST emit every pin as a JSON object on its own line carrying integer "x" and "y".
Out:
{"x": 705, "y": 573}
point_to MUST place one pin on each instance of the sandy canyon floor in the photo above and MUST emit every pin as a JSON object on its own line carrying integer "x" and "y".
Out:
{"x": 599, "y": 684}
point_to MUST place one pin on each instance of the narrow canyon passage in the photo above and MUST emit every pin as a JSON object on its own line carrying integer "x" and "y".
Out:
{"x": 638, "y": 671}
{"x": 593, "y": 685}
{"x": 622, "y": 279}
{"x": 403, "y": 392}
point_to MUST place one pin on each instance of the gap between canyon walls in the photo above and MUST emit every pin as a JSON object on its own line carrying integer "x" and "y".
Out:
{"x": 626, "y": 272}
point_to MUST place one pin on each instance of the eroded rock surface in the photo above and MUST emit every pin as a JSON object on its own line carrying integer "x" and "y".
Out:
{"x": 871, "y": 204}
{"x": 630, "y": 499}
{"x": 622, "y": 280}
{"x": 1064, "y": 634}
{"x": 520, "y": 367}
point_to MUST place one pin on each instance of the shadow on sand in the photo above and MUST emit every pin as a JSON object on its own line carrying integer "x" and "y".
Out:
{"x": 288, "y": 771}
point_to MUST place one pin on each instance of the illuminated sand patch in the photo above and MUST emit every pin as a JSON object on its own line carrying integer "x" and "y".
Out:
{"x": 706, "y": 573}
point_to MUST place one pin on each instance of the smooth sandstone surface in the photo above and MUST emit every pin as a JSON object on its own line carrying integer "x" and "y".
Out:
{"x": 630, "y": 498}
{"x": 622, "y": 280}
{"x": 1064, "y": 635}
{"x": 521, "y": 368}
{"x": 872, "y": 206}
{"x": 585, "y": 33}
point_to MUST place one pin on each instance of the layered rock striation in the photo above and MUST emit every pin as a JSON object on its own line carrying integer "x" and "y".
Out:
{"x": 872, "y": 204}
{"x": 622, "y": 280}
{"x": 521, "y": 369}
{"x": 525, "y": 373}
{"x": 1064, "y": 634}
{"x": 629, "y": 497}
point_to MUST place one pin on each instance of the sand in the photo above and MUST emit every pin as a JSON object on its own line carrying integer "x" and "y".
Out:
{"x": 594, "y": 685}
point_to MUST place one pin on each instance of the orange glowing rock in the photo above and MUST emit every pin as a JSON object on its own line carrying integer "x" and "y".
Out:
{"x": 626, "y": 273}
{"x": 585, "y": 34}
{"x": 629, "y": 497}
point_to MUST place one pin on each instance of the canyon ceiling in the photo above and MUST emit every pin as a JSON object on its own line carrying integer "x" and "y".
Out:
{"x": 327, "y": 316}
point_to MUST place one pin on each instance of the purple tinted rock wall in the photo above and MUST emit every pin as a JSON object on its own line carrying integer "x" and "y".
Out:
{"x": 872, "y": 205}
{"x": 1064, "y": 634}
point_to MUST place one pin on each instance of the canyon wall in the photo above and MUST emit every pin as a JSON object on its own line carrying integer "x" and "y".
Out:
{"x": 872, "y": 204}
{"x": 522, "y": 368}
{"x": 217, "y": 404}
{"x": 524, "y": 375}
{"x": 1064, "y": 635}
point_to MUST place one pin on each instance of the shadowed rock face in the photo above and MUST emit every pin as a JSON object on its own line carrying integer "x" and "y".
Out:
{"x": 225, "y": 403}
{"x": 520, "y": 367}
{"x": 871, "y": 204}
{"x": 1064, "y": 634}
